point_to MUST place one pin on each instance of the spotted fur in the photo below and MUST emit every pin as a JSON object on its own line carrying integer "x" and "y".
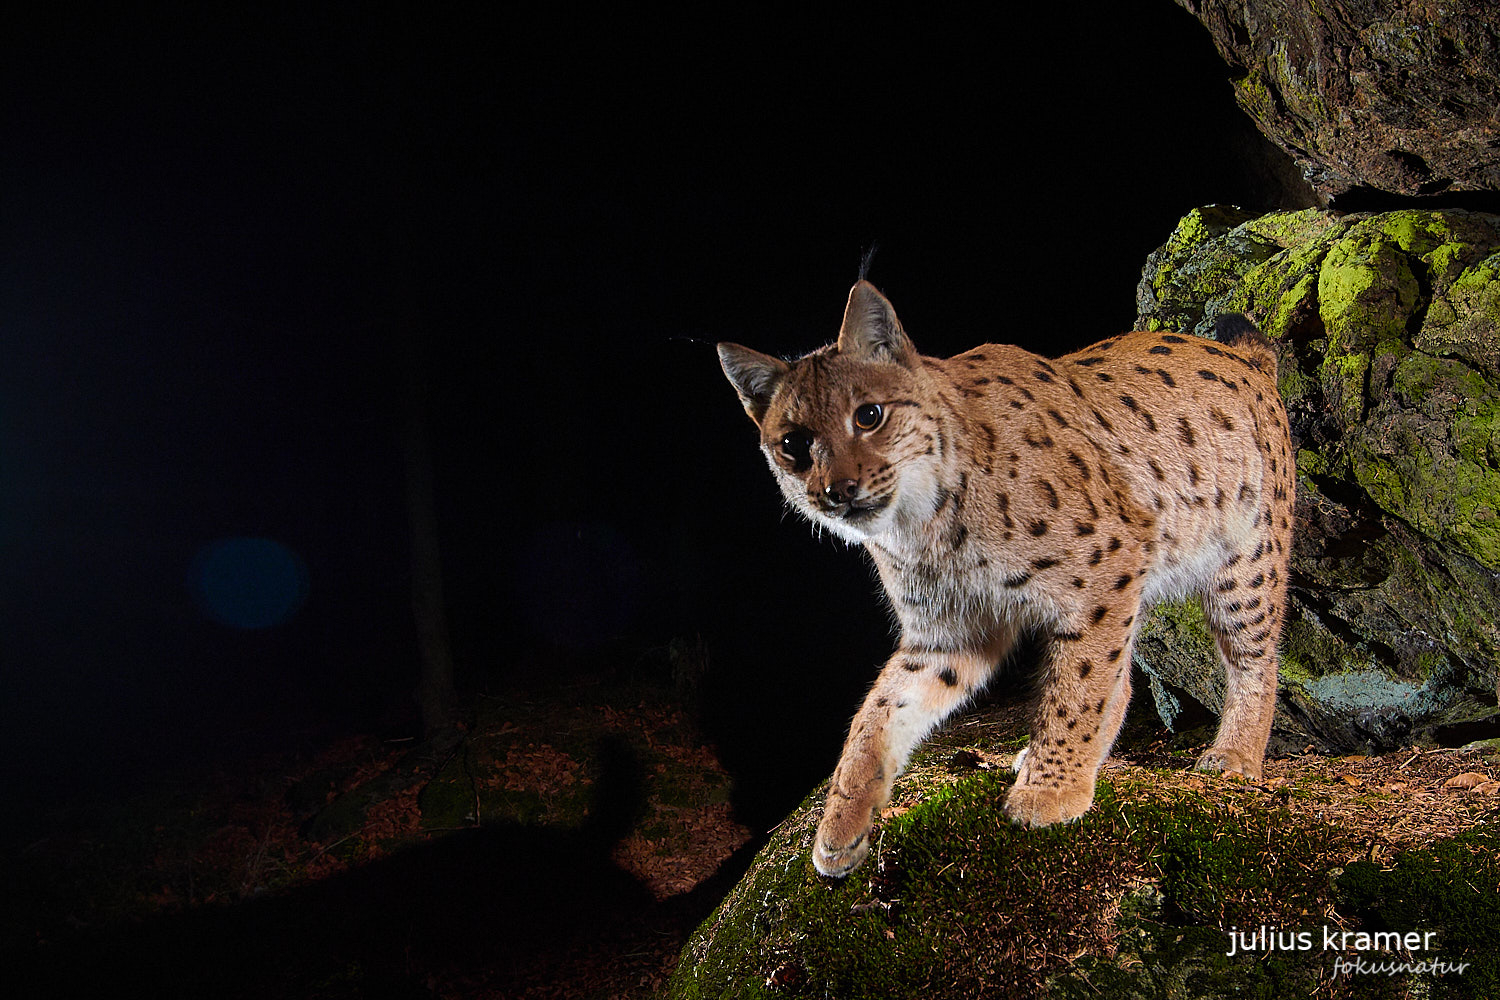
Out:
{"x": 1000, "y": 492}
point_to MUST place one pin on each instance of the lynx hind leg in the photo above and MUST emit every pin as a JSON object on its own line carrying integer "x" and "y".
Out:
{"x": 1086, "y": 689}
{"x": 1244, "y": 606}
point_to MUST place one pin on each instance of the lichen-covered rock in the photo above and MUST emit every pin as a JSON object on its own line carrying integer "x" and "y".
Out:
{"x": 1396, "y": 96}
{"x": 1388, "y": 330}
{"x": 1135, "y": 899}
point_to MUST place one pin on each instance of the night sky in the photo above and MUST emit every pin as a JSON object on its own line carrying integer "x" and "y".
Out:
{"x": 233, "y": 242}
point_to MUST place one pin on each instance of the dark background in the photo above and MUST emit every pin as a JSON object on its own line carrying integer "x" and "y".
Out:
{"x": 224, "y": 233}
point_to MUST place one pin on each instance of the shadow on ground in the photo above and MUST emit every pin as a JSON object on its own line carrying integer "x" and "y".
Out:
{"x": 502, "y": 911}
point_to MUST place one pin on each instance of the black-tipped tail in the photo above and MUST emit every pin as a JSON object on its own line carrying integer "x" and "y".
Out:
{"x": 1246, "y": 338}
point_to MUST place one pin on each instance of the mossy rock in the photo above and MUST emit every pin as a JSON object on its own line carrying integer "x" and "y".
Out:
{"x": 1134, "y": 900}
{"x": 1388, "y": 333}
{"x": 1452, "y": 885}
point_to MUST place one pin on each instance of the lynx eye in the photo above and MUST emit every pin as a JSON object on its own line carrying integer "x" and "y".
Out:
{"x": 868, "y": 416}
{"x": 797, "y": 446}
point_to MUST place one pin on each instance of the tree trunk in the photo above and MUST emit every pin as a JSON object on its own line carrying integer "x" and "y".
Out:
{"x": 434, "y": 693}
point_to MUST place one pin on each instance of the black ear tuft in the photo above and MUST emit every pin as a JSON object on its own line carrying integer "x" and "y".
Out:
{"x": 866, "y": 259}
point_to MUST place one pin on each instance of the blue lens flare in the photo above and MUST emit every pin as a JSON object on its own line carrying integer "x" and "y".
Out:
{"x": 248, "y": 583}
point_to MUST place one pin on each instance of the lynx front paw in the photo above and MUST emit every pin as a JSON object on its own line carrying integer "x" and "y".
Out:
{"x": 1029, "y": 805}
{"x": 843, "y": 837}
{"x": 1230, "y": 761}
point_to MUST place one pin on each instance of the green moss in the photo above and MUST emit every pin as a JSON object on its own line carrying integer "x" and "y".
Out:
{"x": 1185, "y": 621}
{"x": 1293, "y": 298}
{"x": 1215, "y": 874}
{"x": 1133, "y": 901}
{"x": 1437, "y": 468}
{"x": 1311, "y": 464}
{"x": 1448, "y": 486}
{"x": 1343, "y": 380}
{"x": 1302, "y": 94}
{"x": 1206, "y": 250}
{"x": 953, "y": 894}
{"x": 1282, "y": 291}
{"x": 928, "y": 889}
{"x": 1416, "y": 231}
{"x": 1252, "y": 93}
{"x": 1176, "y": 650}
{"x": 1449, "y": 888}
{"x": 1295, "y": 386}
{"x": 1310, "y": 651}
{"x": 1366, "y": 292}
{"x": 1196, "y": 228}
{"x": 447, "y": 802}
{"x": 1296, "y": 230}
{"x": 1479, "y": 277}
{"x": 776, "y": 922}
{"x": 1166, "y": 960}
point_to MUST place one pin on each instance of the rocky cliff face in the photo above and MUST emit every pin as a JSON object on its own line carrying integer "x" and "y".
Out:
{"x": 1398, "y": 96}
{"x": 1388, "y": 328}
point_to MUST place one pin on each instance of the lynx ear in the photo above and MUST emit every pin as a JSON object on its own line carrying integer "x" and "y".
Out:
{"x": 871, "y": 331}
{"x": 754, "y": 376}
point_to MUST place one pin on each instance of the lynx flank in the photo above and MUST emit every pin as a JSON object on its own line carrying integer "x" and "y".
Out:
{"x": 999, "y": 493}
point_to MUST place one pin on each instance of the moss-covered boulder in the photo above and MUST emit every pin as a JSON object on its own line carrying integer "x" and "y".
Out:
{"x": 1388, "y": 329}
{"x": 1137, "y": 899}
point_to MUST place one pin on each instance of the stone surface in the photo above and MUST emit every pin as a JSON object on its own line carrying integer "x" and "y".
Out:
{"x": 1388, "y": 328}
{"x": 1400, "y": 96}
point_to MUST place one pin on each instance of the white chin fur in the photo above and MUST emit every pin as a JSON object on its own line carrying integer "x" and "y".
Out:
{"x": 855, "y": 533}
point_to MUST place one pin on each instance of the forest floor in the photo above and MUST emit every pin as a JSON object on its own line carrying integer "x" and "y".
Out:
{"x": 556, "y": 846}
{"x": 553, "y": 848}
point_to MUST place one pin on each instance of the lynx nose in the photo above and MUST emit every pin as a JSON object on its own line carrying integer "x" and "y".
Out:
{"x": 841, "y": 492}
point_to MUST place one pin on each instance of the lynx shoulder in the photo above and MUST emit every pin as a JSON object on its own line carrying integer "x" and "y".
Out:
{"x": 999, "y": 492}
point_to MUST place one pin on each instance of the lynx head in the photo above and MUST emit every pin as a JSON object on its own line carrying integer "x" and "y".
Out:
{"x": 844, "y": 428}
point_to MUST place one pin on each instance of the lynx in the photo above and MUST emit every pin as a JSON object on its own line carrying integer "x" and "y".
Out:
{"x": 999, "y": 494}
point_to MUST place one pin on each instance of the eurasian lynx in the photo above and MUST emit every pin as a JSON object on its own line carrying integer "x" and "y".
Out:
{"x": 998, "y": 492}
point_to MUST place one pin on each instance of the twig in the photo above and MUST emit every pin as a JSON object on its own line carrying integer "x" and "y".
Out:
{"x": 1428, "y": 753}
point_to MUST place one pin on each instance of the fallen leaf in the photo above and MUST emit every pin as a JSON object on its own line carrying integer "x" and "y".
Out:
{"x": 1469, "y": 779}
